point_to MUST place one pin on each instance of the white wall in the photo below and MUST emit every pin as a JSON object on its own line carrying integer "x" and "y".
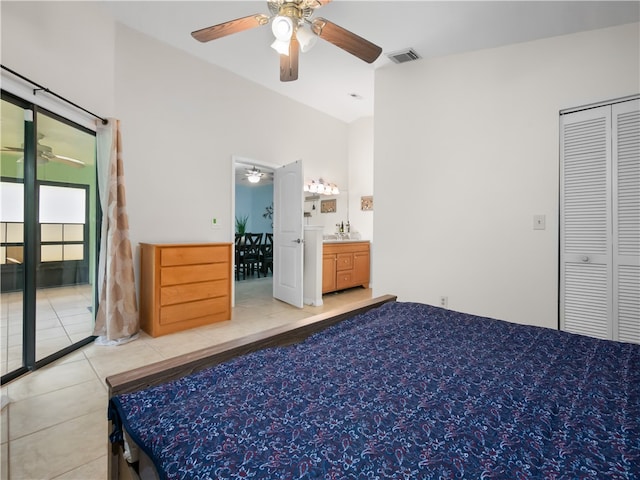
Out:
{"x": 327, "y": 220}
{"x": 64, "y": 46}
{"x": 361, "y": 175}
{"x": 358, "y": 183}
{"x": 466, "y": 152}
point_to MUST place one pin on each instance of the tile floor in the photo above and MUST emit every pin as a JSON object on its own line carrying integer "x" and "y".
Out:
{"x": 63, "y": 317}
{"x": 55, "y": 425}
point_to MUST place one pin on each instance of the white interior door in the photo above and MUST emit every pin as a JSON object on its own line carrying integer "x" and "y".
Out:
{"x": 626, "y": 221}
{"x": 585, "y": 226}
{"x": 288, "y": 201}
{"x": 600, "y": 222}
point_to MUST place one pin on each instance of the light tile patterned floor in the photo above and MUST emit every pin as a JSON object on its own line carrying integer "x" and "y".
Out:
{"x": 63, "y": 317}
{"x": 55, "y": 425}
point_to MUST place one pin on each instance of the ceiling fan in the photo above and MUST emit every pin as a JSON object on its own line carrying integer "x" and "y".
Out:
{"x": 295, "y": 31}
{"x": 46, "y": 155}
{"x": 254, "y": 175}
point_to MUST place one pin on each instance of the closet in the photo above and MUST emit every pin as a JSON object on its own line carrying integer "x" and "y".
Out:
{"x": 600, "y": 220}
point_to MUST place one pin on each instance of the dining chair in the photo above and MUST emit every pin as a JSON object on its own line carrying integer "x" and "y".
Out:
{"x": 239, "y": 256}
{"x": 266, "y": 254}
{"x": 251, "y": 258}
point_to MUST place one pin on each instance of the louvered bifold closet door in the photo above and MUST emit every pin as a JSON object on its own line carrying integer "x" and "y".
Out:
{"x": 626, "y": 221}
{"x": 585, "y": 223}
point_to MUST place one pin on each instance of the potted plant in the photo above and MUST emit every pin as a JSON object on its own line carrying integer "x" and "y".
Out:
{"x": 241, "y": 224}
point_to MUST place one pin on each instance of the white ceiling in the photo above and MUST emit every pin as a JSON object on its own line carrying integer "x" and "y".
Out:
{"x": 329, "y": 76}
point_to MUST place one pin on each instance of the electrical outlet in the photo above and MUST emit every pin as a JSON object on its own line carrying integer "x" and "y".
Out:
{"x": 444, "y": 301}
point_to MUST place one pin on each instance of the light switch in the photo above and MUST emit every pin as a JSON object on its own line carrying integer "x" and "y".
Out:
{"x": 539, "y": 222}
{"x": 214, "y": 224}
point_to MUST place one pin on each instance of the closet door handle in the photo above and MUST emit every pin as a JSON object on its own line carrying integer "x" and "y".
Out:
{"x": 585, "y": 259}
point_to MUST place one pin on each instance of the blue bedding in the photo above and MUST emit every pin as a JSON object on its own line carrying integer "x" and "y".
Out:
{"x": 405, "y": 391}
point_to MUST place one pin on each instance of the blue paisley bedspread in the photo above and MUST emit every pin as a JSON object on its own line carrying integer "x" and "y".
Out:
{"x": 405, "y": 391}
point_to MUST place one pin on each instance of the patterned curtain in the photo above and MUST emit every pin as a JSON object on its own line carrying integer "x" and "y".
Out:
{"x": 117, "y": 318}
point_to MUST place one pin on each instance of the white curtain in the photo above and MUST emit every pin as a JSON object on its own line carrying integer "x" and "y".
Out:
{"x": 117, "y": 318}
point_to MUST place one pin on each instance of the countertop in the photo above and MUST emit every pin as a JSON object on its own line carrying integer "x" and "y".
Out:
{"x": 346, "y": 240}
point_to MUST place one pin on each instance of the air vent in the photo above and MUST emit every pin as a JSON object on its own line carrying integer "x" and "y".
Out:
{"x": 402, "y": 56}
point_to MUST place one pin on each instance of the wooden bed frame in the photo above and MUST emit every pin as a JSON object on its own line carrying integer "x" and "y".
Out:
{"x": 180, "y": 366}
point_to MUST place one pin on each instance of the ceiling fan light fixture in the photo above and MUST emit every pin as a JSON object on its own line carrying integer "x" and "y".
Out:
{"x": 254, "y": 175}
{"x": 254, "y": 178}
{"x": 282, "y": 28}
{"x": 306, "y": 38}
{"x": 281, "y": 47}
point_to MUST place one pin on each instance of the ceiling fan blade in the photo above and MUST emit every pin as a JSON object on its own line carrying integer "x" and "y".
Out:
{"x": 289, "y": 63}
{"x": 318, "y": 3}
{"x": 72, "y": 162}
{"x": 45, "y": 156}
{"x": 346, "y": 40}
{"x": 232, "y": 26}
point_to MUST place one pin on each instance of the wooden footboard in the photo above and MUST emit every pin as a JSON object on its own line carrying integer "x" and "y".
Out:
{"x": 173, "y": 368}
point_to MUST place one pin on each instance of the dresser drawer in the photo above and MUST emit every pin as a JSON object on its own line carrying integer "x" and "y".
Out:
{"x": 193, "y": 273}
{"x": 191, "y": 310}
{"x": 192, "y": 256}
{"x": 193, "y": 291}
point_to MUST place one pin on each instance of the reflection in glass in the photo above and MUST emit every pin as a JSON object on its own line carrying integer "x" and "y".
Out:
{"x": 73, "y": 233}
{"x": 73, "y": 252}
{"x": 67, "y": 205}
{"x": 50, "y": 232}
{"x": 15, "y": 233}
{"x": 15, "y": 255}
{"x": 51, "y": 253}
{"x": 11, "y": 256}
{"x": 62, "y": 204}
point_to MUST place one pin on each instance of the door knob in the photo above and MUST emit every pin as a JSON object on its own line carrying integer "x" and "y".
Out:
{"x": 297, "y": 240}
{"x": 585, "y": 259}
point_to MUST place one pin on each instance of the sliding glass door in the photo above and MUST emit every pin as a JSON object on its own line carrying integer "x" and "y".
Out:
{"x": 48, "y": 249}
{"x": 11, "y": 239}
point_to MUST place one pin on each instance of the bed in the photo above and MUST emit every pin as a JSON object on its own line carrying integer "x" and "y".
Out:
{"x": 387, "y": 390}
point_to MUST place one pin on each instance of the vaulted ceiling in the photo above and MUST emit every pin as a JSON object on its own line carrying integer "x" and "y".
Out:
{"x": 339, "y": 84}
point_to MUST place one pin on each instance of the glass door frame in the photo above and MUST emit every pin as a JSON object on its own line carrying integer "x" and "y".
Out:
{"x": 32, "y": 241}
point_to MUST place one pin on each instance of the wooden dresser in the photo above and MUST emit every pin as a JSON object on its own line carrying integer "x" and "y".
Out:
{"x": 184, "y": 286}
{"x": 345, "y": 265}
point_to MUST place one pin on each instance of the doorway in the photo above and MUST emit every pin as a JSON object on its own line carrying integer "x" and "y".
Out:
{"x": 48, "y": 242}
{"x": 252, "y": 213}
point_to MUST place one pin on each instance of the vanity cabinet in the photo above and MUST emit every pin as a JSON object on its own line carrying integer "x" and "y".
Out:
{"x": 184, "y": 286}
{"x": 345, "y": 265}
{"x": 328, "y": 271}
